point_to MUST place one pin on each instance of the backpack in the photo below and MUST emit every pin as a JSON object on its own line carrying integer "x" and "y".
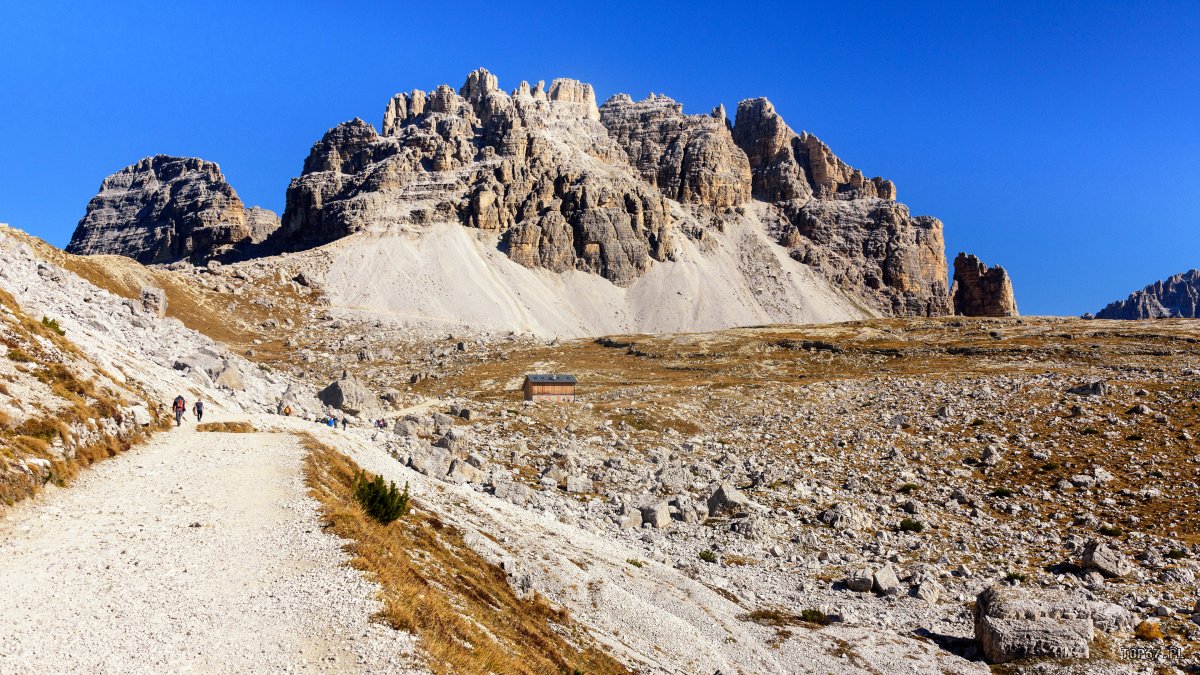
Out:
{"x": 179, "y": 404}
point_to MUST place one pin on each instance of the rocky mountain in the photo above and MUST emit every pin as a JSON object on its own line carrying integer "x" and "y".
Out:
{"x": 981, "y": 291}
{"x": 612, "y": 190}
{"x": 1177, "y": 296}
{"x": 164, "y": 209}
{"x": 691, "y": 221}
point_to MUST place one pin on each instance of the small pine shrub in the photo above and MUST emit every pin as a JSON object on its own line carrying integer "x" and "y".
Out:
{"x": 708, "y": 556}
{"x": 1110, "y": 531}
{"x": 1135, "y": 437}
{"x": 635, "y": 562}
{"x": 1050, "y": 466}
{"x": 1002, "y": 492}
{"x": 910, "y": 525}
{"x": 815, "y": 616}
{"x": 1089, "y": 431}
{"x": 52, "y": 324}
{"x": 1156, "y": 473}
{"x": 1177, "y": 554}
{"x": 1015, "y": 576}
{"x": 908, "y": 488}
{"x": 382, "y": 501}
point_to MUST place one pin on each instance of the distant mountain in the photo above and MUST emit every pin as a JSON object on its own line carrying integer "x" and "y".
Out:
{"x": 1177, "y": 296}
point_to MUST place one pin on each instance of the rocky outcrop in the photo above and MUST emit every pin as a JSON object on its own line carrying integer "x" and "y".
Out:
{"x": 844, "y": 225}
{"x": 165, "y": 209}
{"x": 1176, "y": 297}
{"x": 689, "y": 158}
{"x": 534, "y": 166}
{"x": 981, "y": 291}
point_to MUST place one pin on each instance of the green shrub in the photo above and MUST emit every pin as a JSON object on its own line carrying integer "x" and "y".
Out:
{"x": 910, "y": 525}
{"x": 635, "y": 562}
{"x": 1110, "y": 531}
{"x": 708, "y": 556}
{"x": 1015, "y": 576}
{"x": 52, "y": 324}
{"x": 1050, "y": 466}
{"x": 1002, "y": 492}
{"x": 908, "y": 488}
{"x": 815, "y": 616}
{"x": 382, "y": 501}
{"x": 1176, "y": 554}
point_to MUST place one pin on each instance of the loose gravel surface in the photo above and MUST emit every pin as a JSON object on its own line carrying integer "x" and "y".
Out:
{"x": 196, "y": 552}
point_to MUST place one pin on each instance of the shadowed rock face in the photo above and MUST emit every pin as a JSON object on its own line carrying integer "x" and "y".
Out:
{"x": 980, "y": 291}
{"x": 844, "y": 225}
{"x": 1177, "y": 296}
{"x": 164, "y": 209}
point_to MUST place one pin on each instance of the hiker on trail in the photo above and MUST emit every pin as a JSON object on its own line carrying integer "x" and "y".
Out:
{"x": 198, "y": 410}
{"x": 344, "y": 424}
{"x": 179, "y": 407}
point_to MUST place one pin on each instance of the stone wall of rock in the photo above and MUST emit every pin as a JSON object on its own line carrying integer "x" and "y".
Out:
{"x": 1177, "y": 296}
{"x": 980, "y": 291}
{"x": 846, "y": 226}
{"x": 164, "y": 209}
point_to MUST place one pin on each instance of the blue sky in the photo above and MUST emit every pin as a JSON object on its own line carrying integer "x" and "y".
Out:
{"x": 1060, "y": 140}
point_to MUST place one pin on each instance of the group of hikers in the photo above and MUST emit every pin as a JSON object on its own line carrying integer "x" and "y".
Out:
{"x": 179, "y": 408}
{"x": 332, "y": 422}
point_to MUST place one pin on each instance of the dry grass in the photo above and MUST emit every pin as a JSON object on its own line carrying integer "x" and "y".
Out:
{"x": 1148, "y": 630}
{"x": 227, "y": 427}
{"x": 462, "y": 609}
{"x": 80, "y": 399}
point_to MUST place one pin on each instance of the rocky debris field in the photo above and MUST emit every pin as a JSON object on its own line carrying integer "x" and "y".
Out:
{"x": 878, "y": 473}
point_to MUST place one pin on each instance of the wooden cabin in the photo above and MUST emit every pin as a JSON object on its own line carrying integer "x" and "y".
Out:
{"x": 549, "y": 387}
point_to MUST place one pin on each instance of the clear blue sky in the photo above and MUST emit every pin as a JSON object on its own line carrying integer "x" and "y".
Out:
{"x": 1061, "y": 140}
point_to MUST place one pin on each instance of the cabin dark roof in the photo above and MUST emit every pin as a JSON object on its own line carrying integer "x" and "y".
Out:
{"x": 551, "y": 379}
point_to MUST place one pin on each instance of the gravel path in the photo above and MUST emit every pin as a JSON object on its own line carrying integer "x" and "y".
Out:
{"x": 114, "y": 575}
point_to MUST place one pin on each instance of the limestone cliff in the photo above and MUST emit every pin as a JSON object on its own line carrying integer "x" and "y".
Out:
{"x": 165, "y": 209}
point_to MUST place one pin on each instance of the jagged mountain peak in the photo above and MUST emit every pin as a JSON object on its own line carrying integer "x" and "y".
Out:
{"x": 551, "y": 181}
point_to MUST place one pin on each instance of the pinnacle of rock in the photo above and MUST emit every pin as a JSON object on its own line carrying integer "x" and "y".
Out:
{"x": 980, "y": 291}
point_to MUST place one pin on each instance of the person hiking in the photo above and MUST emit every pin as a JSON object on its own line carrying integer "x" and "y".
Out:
{"x": 198, "y": 410}
{"x": 343, "y": 424}
{"x": 179, "y": 407}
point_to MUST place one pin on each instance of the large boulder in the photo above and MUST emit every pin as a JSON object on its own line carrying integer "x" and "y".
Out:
{"x": 349, "y": 395}
{"x": 165, "y": 209}
{"x": 1011, "y": 624}
{"x": 727, "y": 499}
{"x": 1106, "y": 560}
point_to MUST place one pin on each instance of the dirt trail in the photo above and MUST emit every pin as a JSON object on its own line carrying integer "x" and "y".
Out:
{"x": 196, "y": 552}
